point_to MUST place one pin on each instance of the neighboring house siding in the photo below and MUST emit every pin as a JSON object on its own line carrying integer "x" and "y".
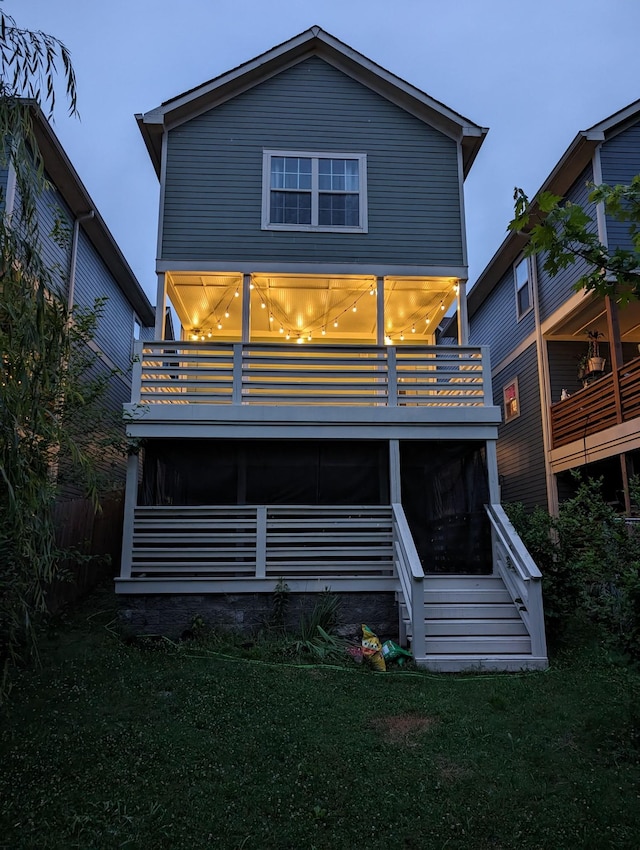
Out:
{"x": 620, "y": 160}
{"x": 55, "y": 215}
{"x": 496, "y": 323}
{"x": 3, "y": 187}
{"x": 554, "y": 291}
{"x": 563, "y": 366}
{"x": 520, "y": 446}
{"x": 114, "y": 334}
{"x": 213, "y": 191}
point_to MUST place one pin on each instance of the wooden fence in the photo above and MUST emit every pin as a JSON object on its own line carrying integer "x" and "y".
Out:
{"x": 97, "y": 536}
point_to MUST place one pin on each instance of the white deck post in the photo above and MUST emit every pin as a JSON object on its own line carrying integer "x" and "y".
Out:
{"x": 380, "y": 310}
{"x": 236, "y": 392}
{"x": 536, "y": 614}
{"x": 246, "y": 306}
{"x": 130, "y": 501}
{"x": 392, "y": 377}
{"x": 136, "y": 372}
{"x": 463, "y": 319}
{"x": 161, "y": 306}
{"x": 394, "y": 472}
{"x": 261, "y": 541}
{"x": 494, "y": 495}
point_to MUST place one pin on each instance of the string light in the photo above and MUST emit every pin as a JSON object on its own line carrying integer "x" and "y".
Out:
{"x": 324, "y": 331}
{"x": 413, "y": 329}
{"x": 299, "y": 340}
{"x": 270, "y": 317}
{"x": 354, "y": 309}
{"x": 236, "y": 294}
{"x": 251, "y": 286}
{"x": 335, "y": 324}
{"x": 263, "y": 305}
{"x": 281, "y": 329}
{"x": 288, "y": 336}
{"x": 401, "y": 337}
{"x": 226, "y": 314}
{"x": 219, "y": 326}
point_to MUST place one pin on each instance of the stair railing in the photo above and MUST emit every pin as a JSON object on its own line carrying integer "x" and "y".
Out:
{"x": 522, "y": 578}
{"x": 411, "y": 577}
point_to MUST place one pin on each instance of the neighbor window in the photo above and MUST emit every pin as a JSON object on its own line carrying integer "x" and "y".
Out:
{"x": 314, "y": 191}
{"x": 524, "y": 301}
{"x": 511, "y": 399}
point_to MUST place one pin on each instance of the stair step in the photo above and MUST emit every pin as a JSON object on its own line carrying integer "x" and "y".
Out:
{"x": 471, "y": 611}
{"x": 493, "y": 594}
{"x": 494, "y": 645}
{"x": 437, "y": 582}
{"x": 479, "y": 627}
{"x": 478, "y": 663}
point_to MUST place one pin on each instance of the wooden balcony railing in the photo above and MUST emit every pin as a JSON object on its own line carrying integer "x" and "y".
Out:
{"x": 594, "y": 408}
{"x": 272, "y": 373}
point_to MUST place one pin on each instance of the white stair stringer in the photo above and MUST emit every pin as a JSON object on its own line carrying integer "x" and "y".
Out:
{"x": 472, "y": 623}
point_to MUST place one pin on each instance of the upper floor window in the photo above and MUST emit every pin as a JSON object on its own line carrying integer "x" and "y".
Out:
{"x": 524, "y": 299}
{"x": 314, "y": 191}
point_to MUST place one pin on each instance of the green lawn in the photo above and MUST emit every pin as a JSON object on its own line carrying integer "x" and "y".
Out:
{"x": 111, "y": 746}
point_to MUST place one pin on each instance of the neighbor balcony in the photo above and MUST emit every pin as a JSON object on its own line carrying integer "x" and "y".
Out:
{"x": 611, "y": 402}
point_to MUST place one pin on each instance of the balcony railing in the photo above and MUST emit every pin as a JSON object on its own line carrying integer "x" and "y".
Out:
{"x": 271, "y": 373}
{"x": 596, "y": 407}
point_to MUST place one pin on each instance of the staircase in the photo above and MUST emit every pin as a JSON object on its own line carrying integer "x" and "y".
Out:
{"x": 471, "y": 622}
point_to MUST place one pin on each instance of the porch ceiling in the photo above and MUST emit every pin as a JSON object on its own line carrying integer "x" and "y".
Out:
{"x": 335, "y": 309}
{"x": 592, "y": 315}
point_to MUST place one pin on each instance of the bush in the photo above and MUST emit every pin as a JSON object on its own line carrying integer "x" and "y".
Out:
{"x": 590, "y": 561}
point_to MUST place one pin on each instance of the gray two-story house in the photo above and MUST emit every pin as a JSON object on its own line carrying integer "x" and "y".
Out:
{"x": 86, "y": 264}
{"x": 562, "y": 408}
{"x": 306, "y": 427}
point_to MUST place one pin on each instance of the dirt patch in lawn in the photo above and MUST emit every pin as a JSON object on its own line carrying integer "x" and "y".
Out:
{"x": 403, "y": 729}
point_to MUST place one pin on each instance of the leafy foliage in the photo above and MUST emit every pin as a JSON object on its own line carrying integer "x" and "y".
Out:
{"x": 564, "y": 233}
{"x": 590, "y": 561}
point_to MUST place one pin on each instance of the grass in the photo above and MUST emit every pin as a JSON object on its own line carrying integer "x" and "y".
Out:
{"x": 112, "y": 745}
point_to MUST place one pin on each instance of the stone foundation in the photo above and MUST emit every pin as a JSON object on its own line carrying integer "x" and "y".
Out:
{"x": 247, "y": 613}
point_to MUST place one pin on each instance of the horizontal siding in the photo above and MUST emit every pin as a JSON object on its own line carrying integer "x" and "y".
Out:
{"x": 213, "y": 191}
{"x": 496, "y": 323}
{"x": 4, "y": 173}
{"x": 563, "y": 366}
{"x": 554, "y": 291}
{"x": 620, "y": 160}
{"x": 55, "y": 223}
{"x": 114, "y": 334}
{"x": 520, "y": 443}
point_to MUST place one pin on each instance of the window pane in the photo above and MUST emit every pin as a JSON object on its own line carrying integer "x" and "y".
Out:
{"x": 338, "y": 175}
{"x": 339, "y": 210}
{"x": 277, "y": 172}
{"x": 291, "y": 208}
{"x": 522, "y": 273}
{"x": 523, "y": 300}
{"x": 290, "y": 172}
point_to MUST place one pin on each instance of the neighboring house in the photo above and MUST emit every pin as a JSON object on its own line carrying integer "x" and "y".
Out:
{"x": 561, "y": 413}
{"x": 307, "y": 427}
{"x": 87, "y": 264}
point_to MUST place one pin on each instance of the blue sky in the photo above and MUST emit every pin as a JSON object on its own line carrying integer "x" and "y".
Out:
{"x": 535, "y": 74}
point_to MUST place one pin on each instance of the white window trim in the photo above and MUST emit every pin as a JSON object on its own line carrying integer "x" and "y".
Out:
{"x": 512, "y": 383}
{"x": 314, "y": 156}
{"x": 526, "y": 260}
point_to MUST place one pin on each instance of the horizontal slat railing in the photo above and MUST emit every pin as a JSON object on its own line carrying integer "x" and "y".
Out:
{"x": 272, "y": 373}
{"x": 592, "y": 409}
{"x": 522, "y": 578}
{"x": 262, "y": 542}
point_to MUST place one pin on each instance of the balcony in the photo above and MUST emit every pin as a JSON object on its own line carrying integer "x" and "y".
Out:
{"x": 612, "y": 400}
{"x": 197, "y": 373}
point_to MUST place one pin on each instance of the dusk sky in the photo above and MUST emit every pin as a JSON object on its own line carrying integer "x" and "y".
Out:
{"x": 534, "y": 73}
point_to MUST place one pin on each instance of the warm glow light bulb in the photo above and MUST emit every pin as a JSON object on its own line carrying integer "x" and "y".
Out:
{"x": 309, "y": 337}
{"x": 194, "y": 336}
{"x": 324, "y": 332}
{"x": 281, "y": 330}
{"x": 270, "y": 317}
{"x": 288, "y": 335}
{"x": 401, "y": 337}
{"x": 251, "y": 286}
{"x": 372, "y": 291}
{"x": 226, "y": 314}
{"x": 335, "y": 324}
{"x": 442, "y": 307}
{"x": 354, "y": 308}
{"x": 236, "y": 294}
{"x": 209, "y": 334}
{"x": 387, "y": 340}
{"x": 300, "y": 340}
{"x": 263, "y": 305}
{"x": 413, "y": 329}
{"x": 219, "y": 326}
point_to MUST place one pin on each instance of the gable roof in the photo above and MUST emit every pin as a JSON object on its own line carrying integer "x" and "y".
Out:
{"x": 67, "y": 181}
{"x": 569, "y": 167}
{"x": 311, "y": 42}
